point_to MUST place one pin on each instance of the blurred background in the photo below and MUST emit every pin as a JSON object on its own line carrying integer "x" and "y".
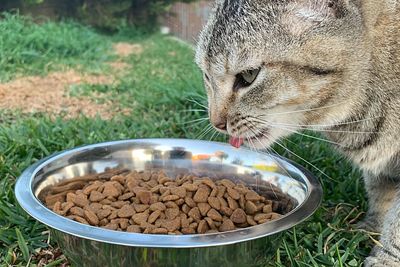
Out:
{"x": 182, "y": 18}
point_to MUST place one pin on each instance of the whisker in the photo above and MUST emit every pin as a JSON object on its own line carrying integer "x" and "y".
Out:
{"x": 297, "y": 132}
{"x": 197, "y": 102}
{"x": 212, "y": 136}
{"x": 301, "y": 158}
{"x": 309, "y": 109}
{"x": 306, "y": 161}
{"x": 193, "y": 121}
{"x": 267, "y": 149}
{"x": 309, "y": 136}
{"x": 323, "y": 130}
{"x": 320, "y": 125}
{"x": 255, "y": 150}
{"x": 193, "y": 110}
{"x": 203, "y": 130}
{"x": 209, "y": 129}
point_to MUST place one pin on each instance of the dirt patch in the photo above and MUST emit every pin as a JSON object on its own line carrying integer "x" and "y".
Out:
{"x": 50, "y": 255}
{"x": 50, "y": 94}
{"x": 126, "y": 49}
{"x": 119, "y": 65}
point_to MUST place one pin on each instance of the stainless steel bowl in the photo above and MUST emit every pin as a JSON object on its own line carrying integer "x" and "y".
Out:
{"x": 91, "y": 246}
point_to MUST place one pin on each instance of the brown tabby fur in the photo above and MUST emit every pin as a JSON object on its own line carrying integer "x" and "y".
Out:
{"x": 331, "y": 66}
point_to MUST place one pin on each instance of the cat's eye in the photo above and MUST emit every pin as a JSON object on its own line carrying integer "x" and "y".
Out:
{"x": 245, "y": 78}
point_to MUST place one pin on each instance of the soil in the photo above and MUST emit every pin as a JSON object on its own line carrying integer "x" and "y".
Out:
{"x": 49, "y": 94}
{"x": 48, "y": 255}
{"x": 126, "y": 49}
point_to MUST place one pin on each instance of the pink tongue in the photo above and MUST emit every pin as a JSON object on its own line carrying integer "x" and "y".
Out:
{"x": 236, "y": 142}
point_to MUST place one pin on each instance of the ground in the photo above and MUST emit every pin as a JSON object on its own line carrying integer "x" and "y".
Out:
{"x": 64, "y": 85}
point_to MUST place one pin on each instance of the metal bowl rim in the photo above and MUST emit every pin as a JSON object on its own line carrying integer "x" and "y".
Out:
{"x": 37, "y": 210}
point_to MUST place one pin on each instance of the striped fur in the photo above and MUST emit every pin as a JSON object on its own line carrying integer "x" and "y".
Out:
{"x": 338, "y": 59}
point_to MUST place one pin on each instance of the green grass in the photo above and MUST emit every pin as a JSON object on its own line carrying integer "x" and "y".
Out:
{"x": 157, "y": 88}
{"x": 27, "y": 48}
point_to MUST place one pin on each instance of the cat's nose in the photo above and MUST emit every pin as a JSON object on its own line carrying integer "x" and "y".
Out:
{"x": 221, "y": 125}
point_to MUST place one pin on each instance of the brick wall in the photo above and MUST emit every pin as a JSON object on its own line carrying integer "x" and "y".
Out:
{"x": 186, "y": 20}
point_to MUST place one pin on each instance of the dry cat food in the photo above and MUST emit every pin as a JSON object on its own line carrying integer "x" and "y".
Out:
{"x": 150, "y": 202}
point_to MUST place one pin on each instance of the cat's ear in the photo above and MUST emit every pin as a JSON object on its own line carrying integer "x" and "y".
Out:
{"x": 301, "y": 15}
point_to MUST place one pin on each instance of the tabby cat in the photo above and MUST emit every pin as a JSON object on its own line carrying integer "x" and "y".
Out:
{"x": 274, "y": 67}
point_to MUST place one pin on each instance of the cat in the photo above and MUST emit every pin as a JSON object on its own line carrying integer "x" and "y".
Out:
{"x": 273, "y": 67}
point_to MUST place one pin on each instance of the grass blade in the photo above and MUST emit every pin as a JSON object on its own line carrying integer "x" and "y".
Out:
{"x": 22, "y": 245}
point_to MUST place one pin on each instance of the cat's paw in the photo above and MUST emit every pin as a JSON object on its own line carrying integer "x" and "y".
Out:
{"x": 373, "y": 261}
{"x": 381, "y": 257}
{"x": 370, "y": 224}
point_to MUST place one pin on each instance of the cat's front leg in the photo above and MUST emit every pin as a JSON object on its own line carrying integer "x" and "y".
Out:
{"x": 381, "y": 193}
{"x": 388, "y": 255}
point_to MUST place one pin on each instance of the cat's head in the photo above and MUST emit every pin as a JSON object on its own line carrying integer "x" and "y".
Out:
{"x": 267, "y": 61}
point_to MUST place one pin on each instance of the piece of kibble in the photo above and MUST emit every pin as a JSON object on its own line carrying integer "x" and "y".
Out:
{"x": 226, "y": 211}
{"x": 252, "y": 196}
{"x": 80, "y": 219}
{"x": 171, "y": 213}
{"x": 214, "y": 215}
{"x": 190, "y": 202}
{"x": 77, "y": 211}
{"x": 188, "y": 231}
{"x": 201, "y": 195}
{"x": 126, "y": 196}
{"x": 232, "y": 203}
{"x": 204, "y": 208}
{"x": 57, "y": 207}
{"x": 185, "y": 208}
{"x": 250, "y": 220}
{"x": 139, "y": 218}
{"x": 80, "y": 200}
{"x": 190, "y": 187}
{"x": 195, "y": 214}
{"x": 170, "y": 198}
{"x": 233, "y": 193}
{"x": 103, "y": 213}
{"x": 126, "y": 211}
{"x": 171, "y": 225}
{"x": 238, "y": 216}
{"x": 118, "y": 204}
{"x": 214, "y": 203}
{"x": 144, "y": 196}
{"x": 179, "y": 191}
{"x": 275, "y": 216}
{"x": 154, "y": 216}
{"x": 96, "y": 196}
{"x": 133, "y": 229}
{"x": 110, "y": 190}
{"x": 66, "y": 206}
{"x": 202, "y": 227}
{"x": 251, "y": 208}
{"x": 111, "y": 226}
{"x": 160, "y": 231}
{"x": 150, "y": 202}
{"x": 210, "y": 222}
{"x": 91, "y": 217}
{"x": 95, "y": 206}
{"x": 140, "y": 207}
{"x": 262, "y": 217}
{"x": 227, "y": 225}
{"x": 227, "y": 183}
{"x": 209, "y": 183}
{"x": 267, "y": 209}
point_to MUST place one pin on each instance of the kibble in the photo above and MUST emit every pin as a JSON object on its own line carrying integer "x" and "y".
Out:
{"x": 150, "y": 202}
